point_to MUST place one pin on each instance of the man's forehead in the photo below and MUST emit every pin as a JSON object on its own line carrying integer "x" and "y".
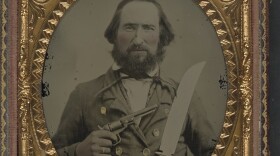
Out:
{"x": 140, "y": 12}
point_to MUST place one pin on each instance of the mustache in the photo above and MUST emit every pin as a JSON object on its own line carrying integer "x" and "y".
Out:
{"x": 135, "y": 47}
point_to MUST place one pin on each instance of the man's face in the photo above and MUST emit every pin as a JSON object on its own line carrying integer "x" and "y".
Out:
{"x": 138, "y": 32}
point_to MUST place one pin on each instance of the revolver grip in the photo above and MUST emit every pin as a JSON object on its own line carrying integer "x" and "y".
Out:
{"x": 116, "y": 128}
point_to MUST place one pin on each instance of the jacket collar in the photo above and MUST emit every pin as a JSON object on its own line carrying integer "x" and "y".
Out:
{"x": 113, "y": 90}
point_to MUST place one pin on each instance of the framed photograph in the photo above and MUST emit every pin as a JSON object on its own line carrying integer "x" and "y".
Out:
{"x": 139, "y": 77}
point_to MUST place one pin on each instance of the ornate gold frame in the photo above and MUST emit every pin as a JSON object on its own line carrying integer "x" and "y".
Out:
{"x": 3, "y": 74}
{"x": 265, "y": 56}
{"x": 232, "y": 22}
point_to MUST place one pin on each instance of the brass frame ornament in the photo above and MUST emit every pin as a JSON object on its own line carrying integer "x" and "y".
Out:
{"x": 232, "y": 22}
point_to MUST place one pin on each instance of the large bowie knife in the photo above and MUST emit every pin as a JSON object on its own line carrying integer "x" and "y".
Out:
{"x": 179, "y": 110}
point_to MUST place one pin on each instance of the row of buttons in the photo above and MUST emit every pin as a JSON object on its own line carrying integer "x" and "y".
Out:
{"x": 146, "y": 151}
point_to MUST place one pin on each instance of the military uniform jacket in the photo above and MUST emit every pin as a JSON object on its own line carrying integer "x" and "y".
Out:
{"x": 103, "y": 100}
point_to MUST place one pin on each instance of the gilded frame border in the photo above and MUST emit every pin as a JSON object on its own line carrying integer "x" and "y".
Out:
{"x": 264, "y": 45}
{"x": 232, "y": 22}
{"x": 8, "y": 85}
{"x": 3, "y": 75}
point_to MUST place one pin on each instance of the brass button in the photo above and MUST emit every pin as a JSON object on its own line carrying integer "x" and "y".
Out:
{"x": 156, "y": 132}
{"x": 103, "y": 110}
{"x": 119, "y": 151}
{"x": 167, "y": 111}
{"x": 146, "y": 152}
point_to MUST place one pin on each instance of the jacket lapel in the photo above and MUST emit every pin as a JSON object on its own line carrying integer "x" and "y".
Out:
{"x": 118, "y": 103}
{"x": 164, "y": 100}
{"x": 116, "y": 94}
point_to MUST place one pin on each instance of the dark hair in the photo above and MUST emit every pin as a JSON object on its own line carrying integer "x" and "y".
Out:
{"x": 166, "y": 32}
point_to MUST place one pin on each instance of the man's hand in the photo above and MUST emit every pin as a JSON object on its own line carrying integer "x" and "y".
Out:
{"x": 97, "y": 143}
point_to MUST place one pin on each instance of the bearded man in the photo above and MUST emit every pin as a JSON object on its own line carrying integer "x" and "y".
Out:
{"x": 139, "y": 32}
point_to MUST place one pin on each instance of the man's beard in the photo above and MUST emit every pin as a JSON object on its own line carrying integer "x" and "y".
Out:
{"x": 133, "y": 65}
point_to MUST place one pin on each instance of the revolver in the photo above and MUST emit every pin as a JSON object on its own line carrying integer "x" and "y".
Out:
{"x": 120, "y": 125}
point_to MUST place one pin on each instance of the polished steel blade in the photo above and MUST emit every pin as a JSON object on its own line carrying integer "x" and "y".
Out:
{"x": 179, "y": 109}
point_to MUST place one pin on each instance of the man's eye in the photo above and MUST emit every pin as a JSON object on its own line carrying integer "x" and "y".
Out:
{"x": 150, "y": 28}
{"x": 128, "y": 28}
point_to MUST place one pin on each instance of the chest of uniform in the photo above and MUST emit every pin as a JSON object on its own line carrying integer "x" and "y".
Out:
{"x": 106, "y": 111}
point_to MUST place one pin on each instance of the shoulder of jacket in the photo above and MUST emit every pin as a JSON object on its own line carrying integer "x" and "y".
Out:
{"x": 169, "y": 81}
{"x": 91, "y": 87}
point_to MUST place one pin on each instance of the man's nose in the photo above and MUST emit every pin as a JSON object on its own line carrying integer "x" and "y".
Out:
{"x": 138, "y": 38}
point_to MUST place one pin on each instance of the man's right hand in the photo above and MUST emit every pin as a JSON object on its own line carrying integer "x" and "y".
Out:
{"x": 97, "y": 143}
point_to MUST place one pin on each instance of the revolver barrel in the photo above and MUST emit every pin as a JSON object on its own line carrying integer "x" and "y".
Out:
{"x": 129, "y": 119}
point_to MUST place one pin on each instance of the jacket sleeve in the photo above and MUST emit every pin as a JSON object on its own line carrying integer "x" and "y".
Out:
{"x": 199, "y": 133}
{"x": 70, "y": 130}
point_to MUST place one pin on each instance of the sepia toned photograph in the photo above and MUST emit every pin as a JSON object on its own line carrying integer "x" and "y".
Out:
{"x": 137, "y": 77}
{"x": 134, "y": 77}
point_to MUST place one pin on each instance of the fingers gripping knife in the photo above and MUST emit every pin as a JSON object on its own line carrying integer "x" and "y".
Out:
{"x": 120, "y": 125}
{"x": 179, "y": 110}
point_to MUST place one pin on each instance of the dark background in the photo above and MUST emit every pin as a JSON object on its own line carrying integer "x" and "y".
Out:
{"x": 274, "y": 81}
